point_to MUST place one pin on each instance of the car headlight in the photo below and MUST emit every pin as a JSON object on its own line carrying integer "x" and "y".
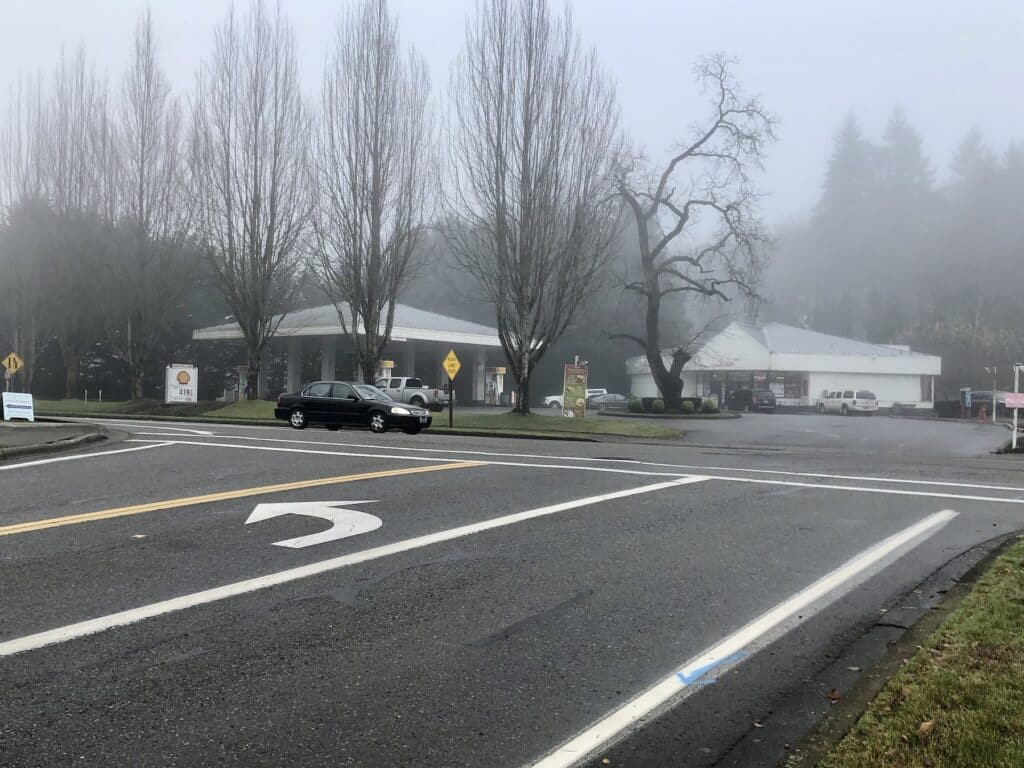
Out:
{"x": 397, "y": 410}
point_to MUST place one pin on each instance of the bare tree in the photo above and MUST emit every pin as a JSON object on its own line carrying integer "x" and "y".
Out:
{"x": 249, "y": 166}
{"x": 699, "y": 237}
{"x": 154, "y": 271}
{"x": 372, "y": 163}
{"x": 533, "y": 142}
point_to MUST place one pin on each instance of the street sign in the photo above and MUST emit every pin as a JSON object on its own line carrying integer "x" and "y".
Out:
{"x": 18, "y": 405}
{"x": 1015, "y": 399}
{"x": 13, "y": 363}
{"x": 344, "y": 522}
{"x": 451, "y": 364}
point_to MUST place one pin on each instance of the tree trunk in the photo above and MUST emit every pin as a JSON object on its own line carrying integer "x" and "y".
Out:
{"x": 137, "y": 378}
{"x": 71, "y": 369}
{"x": 670, "y": 387}
{"x": 368, "y": 369}
{"x": 523, "y": 394}
{"x": 252, "y": 376}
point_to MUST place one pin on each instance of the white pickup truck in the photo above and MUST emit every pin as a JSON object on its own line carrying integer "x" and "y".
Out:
{"x": 412, "y": 390}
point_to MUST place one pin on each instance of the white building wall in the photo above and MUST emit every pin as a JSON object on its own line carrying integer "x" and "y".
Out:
{"x": 888, "y": 388}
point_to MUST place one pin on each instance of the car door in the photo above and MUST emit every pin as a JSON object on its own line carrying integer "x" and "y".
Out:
{"x": 316, "y": 400}
{"x": 345, "y": 405}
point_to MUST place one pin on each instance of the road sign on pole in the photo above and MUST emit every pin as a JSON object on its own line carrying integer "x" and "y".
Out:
{"x": 1016, "y": 411}
{"x": 13, "y": 363}
{"x": 451, "y": 366}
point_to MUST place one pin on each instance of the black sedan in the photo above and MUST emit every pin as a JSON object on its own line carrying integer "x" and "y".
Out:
{"x": 338, "y": 404}
{"x": 751, "y": 400}
{"x": 608, "y": 402}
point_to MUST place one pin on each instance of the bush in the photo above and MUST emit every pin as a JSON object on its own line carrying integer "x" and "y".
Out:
{"x": 634, "y": 405}
{"x": 708, "y": 406}
{"x": 658, "y": 406}
{"x": 686, "y": 407}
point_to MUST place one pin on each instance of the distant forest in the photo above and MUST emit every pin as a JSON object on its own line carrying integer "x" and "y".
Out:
{"x": 891, "y": 255}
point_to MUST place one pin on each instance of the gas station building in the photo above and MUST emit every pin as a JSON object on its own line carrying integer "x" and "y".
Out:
{"x": 419, "y": 342}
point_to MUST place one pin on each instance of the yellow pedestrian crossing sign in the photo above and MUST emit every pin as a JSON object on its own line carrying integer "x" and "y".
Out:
{"x": 13, "y": 363}
{"x": 451, "y": 364}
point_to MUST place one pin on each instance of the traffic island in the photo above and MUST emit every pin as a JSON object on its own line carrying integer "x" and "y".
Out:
{"x": 958, "y": 700}
{"x": 20, "y": 439}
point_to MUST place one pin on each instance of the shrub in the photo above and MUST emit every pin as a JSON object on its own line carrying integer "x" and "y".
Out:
{"x": 658, "y": 406}
{"x": 686, "y": 407}
{"x": 708, "y": 406}
{"x": 634, "y": 405}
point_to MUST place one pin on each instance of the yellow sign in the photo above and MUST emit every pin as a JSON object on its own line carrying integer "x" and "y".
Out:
{"x": 451, "y": 364}
{"x": 13, "y": 363}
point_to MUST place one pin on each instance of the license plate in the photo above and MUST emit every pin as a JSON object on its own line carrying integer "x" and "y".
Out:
{"x": 423, "y": 419}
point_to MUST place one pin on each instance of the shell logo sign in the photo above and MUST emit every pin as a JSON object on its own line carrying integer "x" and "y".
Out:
{"x": 180, "y": 384}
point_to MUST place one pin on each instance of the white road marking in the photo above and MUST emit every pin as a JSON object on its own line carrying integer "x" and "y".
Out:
{"x": 122, "y": 618}
{"x": 344, "y": 522}
{"x": 611, "y": 470}
{"x": 747, "y": 640}
{"x": 80, "y": 456}
{"x": 589, "y": 459}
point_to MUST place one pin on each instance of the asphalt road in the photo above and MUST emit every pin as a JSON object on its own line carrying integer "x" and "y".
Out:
{"x": 522, "y": 603}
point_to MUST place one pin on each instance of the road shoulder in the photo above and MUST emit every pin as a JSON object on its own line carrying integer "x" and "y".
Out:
{"x": 18, "y": 440}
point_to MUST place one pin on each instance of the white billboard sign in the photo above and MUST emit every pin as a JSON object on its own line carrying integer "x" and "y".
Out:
{"x": 181, "y": 384}
{"x": 18, "y": 405}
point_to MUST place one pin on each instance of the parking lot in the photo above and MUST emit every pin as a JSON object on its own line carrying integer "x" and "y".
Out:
{"x": 521, "y": 603}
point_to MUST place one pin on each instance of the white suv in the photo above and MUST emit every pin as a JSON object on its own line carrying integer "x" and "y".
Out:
{"x": 848, "y": 401}
{"x": 555, "y": 401}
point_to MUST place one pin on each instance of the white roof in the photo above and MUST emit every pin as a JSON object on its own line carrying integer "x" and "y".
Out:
{"x": 410, "y": 323}
{"x": 785, "y": 347}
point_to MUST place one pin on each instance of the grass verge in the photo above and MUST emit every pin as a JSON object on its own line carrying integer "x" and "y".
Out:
{"x": 958, "y": 702}
{"x": 119, "y": 408}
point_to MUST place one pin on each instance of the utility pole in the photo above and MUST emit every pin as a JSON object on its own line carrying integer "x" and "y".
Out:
{"x": 995, "y": 374}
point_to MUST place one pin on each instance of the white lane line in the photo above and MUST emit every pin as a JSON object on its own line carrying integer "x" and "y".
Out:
{"x": 391, "y": 457}
{"x": 747, "y": 640}
{"x": 102, "y": 623}
{"x": 80, "y": 456}
{"x": 611, "y": 470}
{"x": 588, "y": 459}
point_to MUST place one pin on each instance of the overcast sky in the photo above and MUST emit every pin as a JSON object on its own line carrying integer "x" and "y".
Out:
{"x": 950, "y": 65}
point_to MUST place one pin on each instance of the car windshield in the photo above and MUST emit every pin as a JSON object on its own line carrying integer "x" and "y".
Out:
{"x": 371, "y": 393}
{"x": 864, "y": 394}
{"x": 764, "y": 393}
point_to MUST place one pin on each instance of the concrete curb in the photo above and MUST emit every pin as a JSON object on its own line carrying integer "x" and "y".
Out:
{"x": 725, "y": 416}
{"x": 64, "y": 444}
{"x": 848, "y": 710}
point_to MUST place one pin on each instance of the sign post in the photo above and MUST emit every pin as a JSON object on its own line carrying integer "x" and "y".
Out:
{"x": 12, "y": 364}
{"x": 1015, "y": 401}
{"x": 451, "y": 367}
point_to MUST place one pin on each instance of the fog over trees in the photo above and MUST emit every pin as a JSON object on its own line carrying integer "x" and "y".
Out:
{"x": 132, "y": 212}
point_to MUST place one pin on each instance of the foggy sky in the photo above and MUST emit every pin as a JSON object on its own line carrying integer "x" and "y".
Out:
{"x": 950, "y": 65}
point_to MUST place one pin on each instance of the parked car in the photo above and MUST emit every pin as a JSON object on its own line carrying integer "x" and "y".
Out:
{"x": 337, "y": 404}
{"x": 608, "y": 402}
{"x": 751, "y": 400}
{"x": 412, "y": 390}
{"x": 848, "y": 401}
{"x": 555, "y": 401}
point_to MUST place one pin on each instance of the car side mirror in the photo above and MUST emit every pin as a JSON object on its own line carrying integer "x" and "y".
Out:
{"x": 352, "y": 397}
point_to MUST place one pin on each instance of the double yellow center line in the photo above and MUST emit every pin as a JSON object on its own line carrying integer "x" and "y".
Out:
{"x": 188, "y": 501}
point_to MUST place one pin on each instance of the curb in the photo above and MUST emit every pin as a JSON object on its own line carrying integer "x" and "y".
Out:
{"x": 725, "y": 416}
{"x": 848, "y": 710}
{"x": 53, "y": 446}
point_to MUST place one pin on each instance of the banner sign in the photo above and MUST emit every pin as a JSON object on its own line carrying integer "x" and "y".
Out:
{"x": 574, "y": 391}
{"x": 181, "y": 384}
{"x": 1015, "y": 399}
{"x": 18, "y": 405}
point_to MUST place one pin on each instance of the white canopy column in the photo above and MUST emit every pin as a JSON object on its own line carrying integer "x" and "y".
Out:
{"x": 328, "y": 359}
{"x": 479, "y": 374}
{"x": 294, "y": 364}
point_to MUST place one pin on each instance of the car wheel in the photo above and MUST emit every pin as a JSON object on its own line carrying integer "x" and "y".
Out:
{"x": 821, "y": 408}
{"x": 297, "y": 419}
{"x": 332, "y": 427}
{"x": 844, "y": 411}
{"x": 555, "y": 404}
{"x": 378, "y": 422}
{"x": 417, "y": 401}
{"x": 411, "y": 430}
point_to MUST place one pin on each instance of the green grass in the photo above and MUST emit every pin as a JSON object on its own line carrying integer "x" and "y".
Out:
{"x": 244, "y": 409}
{"x": 554, "y": 425}
{"x": 118, "y": 407}
{"x": 959, "y": 702}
